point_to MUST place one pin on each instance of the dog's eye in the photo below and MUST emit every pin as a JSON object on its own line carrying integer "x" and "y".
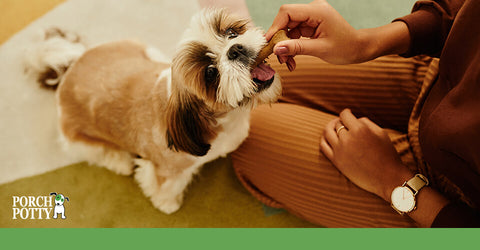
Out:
{"x": 230, "y": 33}
{"x": 211, "y": 74}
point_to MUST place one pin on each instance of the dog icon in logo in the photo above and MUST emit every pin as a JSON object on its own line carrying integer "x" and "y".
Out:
{"x": 59, "y": 208}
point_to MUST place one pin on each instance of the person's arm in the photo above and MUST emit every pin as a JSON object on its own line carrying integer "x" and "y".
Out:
{"x": 429, "y": 203}
{"x": 364, "y": 153}
{"x": 331, "y": 37}
{"x": 429, "y": 25}
{"x": 393, "y": 38}
{"x": 457, "y": 215}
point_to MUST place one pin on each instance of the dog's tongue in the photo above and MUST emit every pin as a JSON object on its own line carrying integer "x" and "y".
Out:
{"x": 263, "y": 72}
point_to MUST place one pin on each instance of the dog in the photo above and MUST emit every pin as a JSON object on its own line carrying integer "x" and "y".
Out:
{"x": 59, "y": 208}
{"x": 126, "y": 106}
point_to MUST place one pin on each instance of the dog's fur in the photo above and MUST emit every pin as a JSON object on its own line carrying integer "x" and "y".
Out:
{"x": 122, "y": 101}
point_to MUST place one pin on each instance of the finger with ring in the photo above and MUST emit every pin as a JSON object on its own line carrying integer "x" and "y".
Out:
{"x": 340, "y": 129}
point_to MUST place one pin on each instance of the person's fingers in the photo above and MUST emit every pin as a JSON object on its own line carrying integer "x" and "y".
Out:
{"x": 348, "y": 119}
{"x": 294, "y": 33}
{"x": 330, "y": 133}
{"x": 326, "y": 149}
{"x": 295, "y": 47}
{"x": 307, "y": 30}
{"x": 282, "y": 59}
{"x": 373, "y": 126}
{"x": 274, "y": 28}
{"x": 291, "y": 15}
{"x": 340, "y": 129}
{"x": 302, "y": 31}
{"x": 291, "y": 64}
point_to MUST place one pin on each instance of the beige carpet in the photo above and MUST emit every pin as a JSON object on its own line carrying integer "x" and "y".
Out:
{"x": 28, "y": 113}
{"x": 32, "y": 163}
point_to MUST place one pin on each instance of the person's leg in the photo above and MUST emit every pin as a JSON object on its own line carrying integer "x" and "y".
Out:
{"x": 384, "y": 89}
{"x": 280, "y": 163}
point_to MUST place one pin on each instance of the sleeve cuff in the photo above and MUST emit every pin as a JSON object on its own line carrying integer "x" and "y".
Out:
{"x": 457, "y": 215}
{"x": 424, "y": 25}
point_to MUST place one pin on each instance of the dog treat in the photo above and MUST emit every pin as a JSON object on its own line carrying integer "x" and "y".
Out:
{"x": 279, "y": 36}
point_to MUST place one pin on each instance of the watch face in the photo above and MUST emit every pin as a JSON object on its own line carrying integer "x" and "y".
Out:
{"x": 403, "y": 199}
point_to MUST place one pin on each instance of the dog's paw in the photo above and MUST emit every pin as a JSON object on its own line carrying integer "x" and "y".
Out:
{"x": 145, "y": 176}
{"x": 120, "y": 162}
{"x": 167, "y": 205}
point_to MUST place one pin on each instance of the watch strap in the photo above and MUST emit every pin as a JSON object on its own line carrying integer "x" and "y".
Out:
{"x": 417, "y": 182}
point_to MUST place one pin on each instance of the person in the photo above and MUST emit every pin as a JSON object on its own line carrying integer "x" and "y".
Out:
{"x": 312, "y": 155}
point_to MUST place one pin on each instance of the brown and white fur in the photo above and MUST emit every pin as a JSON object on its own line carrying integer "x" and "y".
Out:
{"x": 120, "y": 100}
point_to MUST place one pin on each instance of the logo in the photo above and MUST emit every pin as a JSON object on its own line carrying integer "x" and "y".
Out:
{"x": 39, "y": 207}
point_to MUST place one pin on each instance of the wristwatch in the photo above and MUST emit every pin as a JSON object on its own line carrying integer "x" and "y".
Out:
{"x": 403, "y": 197}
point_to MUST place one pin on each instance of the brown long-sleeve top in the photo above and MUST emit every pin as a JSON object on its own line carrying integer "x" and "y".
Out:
{"x": 449, "y": 129}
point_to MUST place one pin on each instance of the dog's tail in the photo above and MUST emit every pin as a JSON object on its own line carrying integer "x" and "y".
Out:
{"x": 49, "y": 59}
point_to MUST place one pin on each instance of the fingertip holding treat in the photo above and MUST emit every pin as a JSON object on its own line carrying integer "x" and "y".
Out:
{"x": 269, "y": 34}
{"x": 279, "y": 36}
{"x": 280, "y": 50}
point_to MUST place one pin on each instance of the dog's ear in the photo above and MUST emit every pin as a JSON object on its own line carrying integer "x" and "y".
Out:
{"x": 189, "y": 124}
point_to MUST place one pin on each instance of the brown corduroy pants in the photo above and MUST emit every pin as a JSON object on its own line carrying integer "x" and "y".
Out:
{"x": 280, "y": 162}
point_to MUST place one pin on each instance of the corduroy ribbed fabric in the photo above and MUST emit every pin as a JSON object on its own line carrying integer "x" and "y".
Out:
{"x": 280, "y": 162}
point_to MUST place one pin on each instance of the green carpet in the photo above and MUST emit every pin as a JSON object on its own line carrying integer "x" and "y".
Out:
{"x": 100, "y": 198}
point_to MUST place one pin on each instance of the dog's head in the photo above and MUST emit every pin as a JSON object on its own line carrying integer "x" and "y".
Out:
{"x": 59, "y": 199}
{"x": 212, "y": 74}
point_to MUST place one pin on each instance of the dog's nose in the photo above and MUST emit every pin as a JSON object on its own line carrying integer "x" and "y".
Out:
{"x": 236, "y": 51}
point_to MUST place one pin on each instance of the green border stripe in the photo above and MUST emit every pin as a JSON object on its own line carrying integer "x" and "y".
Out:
{"x": 239, "y": 238}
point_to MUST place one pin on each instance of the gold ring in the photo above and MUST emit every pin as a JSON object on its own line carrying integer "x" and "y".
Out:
{"x": 340, "y": 128}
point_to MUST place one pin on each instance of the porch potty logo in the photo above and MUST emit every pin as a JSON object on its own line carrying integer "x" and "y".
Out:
{"x": 39, "y": 207}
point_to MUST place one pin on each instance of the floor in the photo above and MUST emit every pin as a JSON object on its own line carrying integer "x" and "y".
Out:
{"x": 99, "y": 198}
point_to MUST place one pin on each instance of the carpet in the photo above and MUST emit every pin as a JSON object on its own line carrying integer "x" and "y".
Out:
{"x": 33, "y": 163}
{"x": 99, "y": 198}
{"x": 29, "y": 113}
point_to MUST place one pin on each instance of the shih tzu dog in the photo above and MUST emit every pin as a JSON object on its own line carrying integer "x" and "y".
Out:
{"x": 122, "y": 105}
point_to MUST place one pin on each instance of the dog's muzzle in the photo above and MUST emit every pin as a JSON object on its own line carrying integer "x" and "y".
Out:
{"x": 263, "y": 76}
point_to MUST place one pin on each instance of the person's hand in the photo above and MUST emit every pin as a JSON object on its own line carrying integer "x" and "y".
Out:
{"x": 363, "y": 152}
{"x": 331, "y": 37}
